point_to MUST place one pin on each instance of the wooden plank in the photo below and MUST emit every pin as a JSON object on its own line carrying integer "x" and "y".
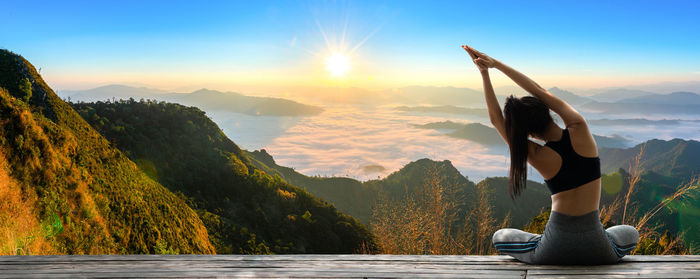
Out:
{"x": 342, "y": 269}
{"x": 597, "y": 276}
{"x": 231, "y": 266}
{"x": 359, "y": 265}
{"x": 362, "y": 264}
{"x": 424, "y": 258}
{"x": 309, "y": 273}
{"x": 662, "y": 258}
{"x": 610, "y": 271}
{"x": 264, "y": 275}
{"x": 263, "y": 258}
{"x": 334, "y": 266}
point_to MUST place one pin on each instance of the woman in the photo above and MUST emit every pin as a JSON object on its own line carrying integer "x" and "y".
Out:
{"x": 570, "y": 165}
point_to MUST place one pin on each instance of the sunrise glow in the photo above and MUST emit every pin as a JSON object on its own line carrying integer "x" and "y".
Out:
{"x": 337, "y": 64}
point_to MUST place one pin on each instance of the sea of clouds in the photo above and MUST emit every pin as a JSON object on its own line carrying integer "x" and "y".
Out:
{"x": 345, "y": 139}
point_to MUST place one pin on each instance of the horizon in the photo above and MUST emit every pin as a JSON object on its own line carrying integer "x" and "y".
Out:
{"x": 685, "y": 86}
{"x": 271, "y": 46}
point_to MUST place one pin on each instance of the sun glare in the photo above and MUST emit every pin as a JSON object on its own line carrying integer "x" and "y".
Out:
{"x": 337, "y": 64}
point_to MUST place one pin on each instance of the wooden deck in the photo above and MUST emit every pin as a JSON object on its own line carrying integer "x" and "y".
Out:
{"x": 334, "y": 266}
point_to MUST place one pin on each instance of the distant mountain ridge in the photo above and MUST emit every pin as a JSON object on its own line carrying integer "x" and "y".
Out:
{"x": 630, "y": 91}
{"x": 117, "y": 91}
{"x": 203, "y": 98}
{"x": 449, "y": 109}
{"x": 569, "y": 97}
{"x": 235, "y": 102}
{"x": 675, "y": 98}
{"x": 614, "y": 95}
{"x": 641, "y": 103}
{"x": 636, "y": 121}
{"x": 435, "y": 95}
{"x": 641, "y": 108}
{"x": 486, "y": 135}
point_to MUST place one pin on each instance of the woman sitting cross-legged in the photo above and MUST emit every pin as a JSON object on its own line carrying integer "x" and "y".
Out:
{"x": 570, "y": 165}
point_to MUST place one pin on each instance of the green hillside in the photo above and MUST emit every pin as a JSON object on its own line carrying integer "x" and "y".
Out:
{"x": 677, "y": 157}
{"x": 524, "y": 207}
{"x": 246, "y": 210}
{"x": 357, "y": 198}
{"x": 85, "y": 195}
{"x": 479, "y": 133}
{"x": 681, "y": 215}
{"x": 347, "y": 194}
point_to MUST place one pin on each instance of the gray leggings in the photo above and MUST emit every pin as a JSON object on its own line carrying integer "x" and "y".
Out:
{"x": 569, "y": 240}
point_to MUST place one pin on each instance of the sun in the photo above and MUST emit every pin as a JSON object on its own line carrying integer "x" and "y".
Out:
{"x": 337, "y": 64}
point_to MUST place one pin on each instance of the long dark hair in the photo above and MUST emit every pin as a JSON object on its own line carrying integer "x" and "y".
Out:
{"x": 523, "y": 116}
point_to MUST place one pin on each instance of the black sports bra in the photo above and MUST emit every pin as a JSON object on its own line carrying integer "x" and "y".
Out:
{"x": 575, "y": 170}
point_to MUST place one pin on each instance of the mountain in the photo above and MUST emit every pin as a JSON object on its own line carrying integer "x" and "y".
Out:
{"x": 675, "y": 98}
{"x": 245, "y": 209}
{"x": 413, "y": 176}
{"x": 569, "y": 96}
{"x": 523, "y": 208}
{"x": 84, "y": 195}
{"x": 203, "y": 98}
{"x": 358, "y": 198}
{"x": 485, "y": 135}
{"x": 677, "y": 157}
{"x": 111, "y": 91}
{"x": 235, "y": 102}
{"x": 611, "y": 94}
{"x": 616, "y": 94}
{"x": 636, "y": 122}
{"x": 614, "y": 141}
{"x": 680, "y": 215}
{"x": 445, "y": 109}
{"x": 669, "y": 86}
{"x": 444, "y": 125}
{"x": 478, "y": 133}
{"x": 348, "y": 195}
{"x": 436, "y": 96}
{"x": 640, "y": 108}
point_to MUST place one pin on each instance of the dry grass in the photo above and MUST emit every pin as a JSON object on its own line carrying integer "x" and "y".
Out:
{"x": 635, "y": 175}
{"x": 20, "y": 232}
{"x": 424, "y": 224}
{"x": 650, "y": 240}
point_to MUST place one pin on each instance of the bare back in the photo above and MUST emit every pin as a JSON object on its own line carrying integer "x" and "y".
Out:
{"x": 582, "y": 199}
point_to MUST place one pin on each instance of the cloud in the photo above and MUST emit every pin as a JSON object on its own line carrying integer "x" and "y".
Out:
{"x": 341, "y": 141}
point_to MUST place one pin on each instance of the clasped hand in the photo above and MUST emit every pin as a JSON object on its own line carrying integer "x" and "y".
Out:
{"x": 481, "y": 60}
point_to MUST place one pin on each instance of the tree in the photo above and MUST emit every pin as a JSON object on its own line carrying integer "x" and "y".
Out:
{"x": 26, "y": 87}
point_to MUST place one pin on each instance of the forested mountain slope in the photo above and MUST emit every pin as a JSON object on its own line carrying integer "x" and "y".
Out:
{"x": 677, "y": 157}
{"x": 358, "y": 198}
{"x": 87, "y": 197}
{"x": 245, "y": 209}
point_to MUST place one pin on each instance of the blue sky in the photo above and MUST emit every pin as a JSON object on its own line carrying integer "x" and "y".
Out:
{"x": 228, "y": 44}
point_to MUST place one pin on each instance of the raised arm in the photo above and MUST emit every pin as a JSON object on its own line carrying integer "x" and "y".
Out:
{"x": 494, "y": 109}
{"x": 570, "y": 116}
